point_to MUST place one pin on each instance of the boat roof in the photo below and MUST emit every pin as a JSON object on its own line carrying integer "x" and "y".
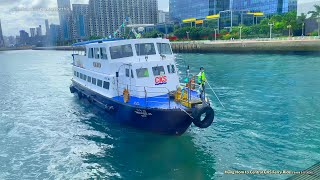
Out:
{"x": 99, "y": 41}
{"x": 96, "y": 41}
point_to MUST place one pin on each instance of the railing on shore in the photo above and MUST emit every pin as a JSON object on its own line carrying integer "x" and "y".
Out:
{"x": 296, "y": 38}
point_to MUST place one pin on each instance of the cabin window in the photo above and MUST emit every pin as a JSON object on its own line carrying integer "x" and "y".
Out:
{"x": 89, "y": 79}
{"x": 91, "y": 53}
{"x": 96, "y": 53}
{"x": 84, "y": 77}
{"x": 106, "y": 85}
{"x": 158, "y": 70}
{"x": 81, "y": 76}
{"x": 132, "y": 74}
{"x": 123, "y": 51}
{"x": 171, "y": 69}
{"x": 145, "y": 49}
{"x": 142, "y": 72}
{"x": 103, "y": 52}
{"x": 94, "y": 81}
{"x": 127, "y": 73}
{"x": 99, "y": 83}
{"x": 164, "y": 48}
{"x": 77, "y": 74}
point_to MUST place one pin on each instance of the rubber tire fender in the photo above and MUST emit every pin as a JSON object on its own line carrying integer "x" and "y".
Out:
{"x": 80, "y": 95}
{"x": 198, "y": 112}
{"x": 72, "y": 89}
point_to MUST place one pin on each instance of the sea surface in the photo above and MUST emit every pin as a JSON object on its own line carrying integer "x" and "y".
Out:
{"x": 271, "y": 121}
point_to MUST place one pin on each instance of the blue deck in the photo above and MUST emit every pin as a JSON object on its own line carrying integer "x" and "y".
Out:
{"x": 161, "y": 102}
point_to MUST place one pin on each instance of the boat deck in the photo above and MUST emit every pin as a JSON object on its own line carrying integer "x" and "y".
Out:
{"x": 161, "y": 102}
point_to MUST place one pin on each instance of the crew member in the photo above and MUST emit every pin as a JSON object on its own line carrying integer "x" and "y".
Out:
{"x": 201, "y": 81}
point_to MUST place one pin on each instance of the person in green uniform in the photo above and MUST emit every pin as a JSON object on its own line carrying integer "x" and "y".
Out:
{"x": 201, "y": 81}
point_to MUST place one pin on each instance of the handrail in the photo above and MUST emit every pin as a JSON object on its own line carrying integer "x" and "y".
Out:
{"x": 148, "y": 92}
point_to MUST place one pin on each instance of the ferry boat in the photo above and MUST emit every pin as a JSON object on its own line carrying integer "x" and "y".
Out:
{"x": 137, "y": 82}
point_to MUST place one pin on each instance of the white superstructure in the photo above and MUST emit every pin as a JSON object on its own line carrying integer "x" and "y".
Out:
{"x": 145, "y": 67}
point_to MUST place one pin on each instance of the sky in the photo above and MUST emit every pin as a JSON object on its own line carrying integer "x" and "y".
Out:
{"x": 16, "y": 15}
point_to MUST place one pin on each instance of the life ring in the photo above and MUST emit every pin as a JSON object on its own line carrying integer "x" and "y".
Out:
{"x": 126, "y": 95}
{"x": 198, "y": 112}
{"x": 72, "y": 89}
{"x": 191, "y": 84}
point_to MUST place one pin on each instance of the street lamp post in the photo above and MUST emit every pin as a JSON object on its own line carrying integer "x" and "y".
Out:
{"x": 302, "y": 29}
{"x": 187, "y": 34}
{"x": 318, "y": 20}
{"x": 240, "y": 27}
{"x": 289, "y": 27}
{"x": 215, "y": 34}
{"x": 271, "y": 29}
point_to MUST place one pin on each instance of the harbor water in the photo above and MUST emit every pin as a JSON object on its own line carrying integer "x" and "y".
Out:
{"x": 271, "y": 121}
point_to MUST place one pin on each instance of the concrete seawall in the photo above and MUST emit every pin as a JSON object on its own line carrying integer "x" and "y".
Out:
{"x": 281, "y": 46}
{"x": 247, "y": 46}
{"x": 60, "y": 48}
{"x": 15, "y": 49}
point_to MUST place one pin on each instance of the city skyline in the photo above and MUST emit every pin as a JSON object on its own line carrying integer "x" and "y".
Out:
{"x": 23, "y": 14}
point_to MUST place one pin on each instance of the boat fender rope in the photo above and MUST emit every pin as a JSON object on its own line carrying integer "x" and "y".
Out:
{"x": 186, "y": 113}
{"x": 109, "y": 108}
{"x": 198, "y": 112}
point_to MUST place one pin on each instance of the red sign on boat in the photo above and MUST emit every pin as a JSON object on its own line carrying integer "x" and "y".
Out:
{"x": 160, "y": 80}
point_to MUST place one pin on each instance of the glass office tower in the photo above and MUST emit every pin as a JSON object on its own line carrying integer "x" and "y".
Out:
{"x": 265, "y": 6}
{"x": 184, "y": 9}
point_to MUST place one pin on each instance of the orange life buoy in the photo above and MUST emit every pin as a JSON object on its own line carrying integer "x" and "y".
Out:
{"x": 126, "y": 95}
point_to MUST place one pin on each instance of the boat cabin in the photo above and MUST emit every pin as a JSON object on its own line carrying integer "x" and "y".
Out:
{"x": 145, "y": 67}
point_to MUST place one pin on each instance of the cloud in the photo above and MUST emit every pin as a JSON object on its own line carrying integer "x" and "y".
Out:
{"x": 23, "y": 14}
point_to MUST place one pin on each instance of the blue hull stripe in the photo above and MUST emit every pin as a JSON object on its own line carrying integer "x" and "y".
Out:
{"x": 164, "y": 121}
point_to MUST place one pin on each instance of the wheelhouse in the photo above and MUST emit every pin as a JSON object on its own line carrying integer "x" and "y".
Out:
{"x": 138, "y": 64}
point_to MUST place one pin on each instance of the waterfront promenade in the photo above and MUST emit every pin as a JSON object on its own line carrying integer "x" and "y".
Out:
{"x": 250, "y": 46}
{"x": 278, "y": 45}
{"x": 15, "y": 48}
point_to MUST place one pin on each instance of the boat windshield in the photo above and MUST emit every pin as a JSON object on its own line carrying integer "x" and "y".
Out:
{"x": 145, "y": 49}
{"x": 164, "y": 48}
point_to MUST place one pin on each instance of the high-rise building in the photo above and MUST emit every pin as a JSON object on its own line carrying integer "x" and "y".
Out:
{"x": 24, "y": 37}
{"x": 163, "y": 17}
{"x": 32, "y": 32}
{"x": 265, "y": 6}
{"x": 80, "y": 13}
{"x": 184, "y": 9}
{"x": 106, "y": 16}
{"x": 39, "y": 31}
{"x": 65, "y": 18}
{"x": 55, "y": 32}
{"x": 47, "y": 27}
{"x": 215, "y": 6}
{"x": 1, "y": 37}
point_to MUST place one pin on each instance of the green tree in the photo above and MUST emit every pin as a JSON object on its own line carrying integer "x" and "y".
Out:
{"x": 316, "y": 13}
{"x": 95, "y": 37}
{"x": 152, "y": 34}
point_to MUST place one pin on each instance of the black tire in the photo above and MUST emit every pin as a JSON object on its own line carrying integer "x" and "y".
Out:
{"x": 198, "y": 112}
{"x": 72, "y": 89}
{"x": 80, "y": 95}
{"x": 90, "y": 99}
